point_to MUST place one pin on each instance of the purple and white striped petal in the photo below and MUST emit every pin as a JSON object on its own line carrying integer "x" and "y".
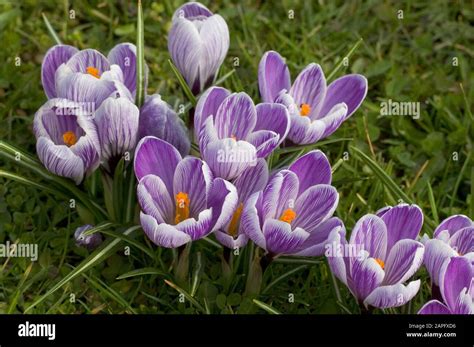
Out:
{"x": 316, "y": 244}
{"x": 207, "y": 105}
{"x": 125, "y": 56}
{"x": 236, "y": 117}
{"x": 222, "y": 201}
{"x": 250, "y": 222}
{"x": 336, "y": 116}
{"x": 273, "y": 76}
{"x": 456, "y": 274}
{"x": 404, "y": 259}
{"x": 193, "y": 177}
{"x": 453, "y": 224}
{"x": 349, "y": 89}
{"x": 370, "y": 233}
{"x": 281, "y": 239}
{"x": 157, "y": 157}
{"x": 155, "y": 200}
{"x": 337, "y": 260}
{"x": 60, "y": 160}
{"x": 230, "y": 242}
{"x": 434, "y": 307}
{"x": 88, "y": 58}
{"x": 252, "y": 179}
{"x": 280, "y": 194}
{"x": 264, "y": 141}
{"x": 163, "y": 234}
{"x": 403, "y": 222}
{"x": 117, "y": 125}
{"x": 462, "y": 241}
{"x": 228, "y": 158}
{"x": 365, "y": 276}
{"x": 199, "y": 227}
{"x": 55, "y": 56}
{"x": 392, "y": 296}
{"x": 158, "y": 119}
{"x": 314, "y": 206}
{"x": 464, "y": 303}
{"x": 436, "y": 253}
{"x": 312, "y": 168}
{"x": 310, "y": 88}
{"x": 273, "y": 117}
{"x": 304, "y": 131}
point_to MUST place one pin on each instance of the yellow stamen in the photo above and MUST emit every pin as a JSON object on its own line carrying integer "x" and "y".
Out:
{"x": 69, "y": 138}
{"x": 182, "y": 207}
{"x": 288, "y": 215}
{"x": 380, "y": 262}
{"x": 93, "y": 71}
{"x": 305, "y": 110}
{"x": 235, "y": 221}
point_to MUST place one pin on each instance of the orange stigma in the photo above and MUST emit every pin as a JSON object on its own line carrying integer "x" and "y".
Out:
{"x": 182, "y": 207}
{"x": 235, "y": 221}
{"x": 380, "y": 262}
{"x": 69, "y": 138}
{"x": 233, "y": 137}
{"x": 305, "y": 110}
{"x": 288, "y": 215}
{"x": 93, "y": 71}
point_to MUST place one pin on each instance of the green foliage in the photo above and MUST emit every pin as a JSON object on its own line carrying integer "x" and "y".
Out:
{"x": 426, "y": 160}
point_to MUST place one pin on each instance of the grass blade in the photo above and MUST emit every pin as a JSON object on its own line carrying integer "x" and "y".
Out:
{"x": 186, "y": 295}
{"x": 140, "y": 93}
{"x": 51, "y": 30}
{"x": 431, "y": 198}
{"x": 282, "y": 277}
{"x": 311, "y": 146}
{"x": 182, "y": 82}
{"x": 341, "y": 62}
{"x": 265, "y": 307}
{"x": 95, "y": 258}
{"x": 142, "y": 272}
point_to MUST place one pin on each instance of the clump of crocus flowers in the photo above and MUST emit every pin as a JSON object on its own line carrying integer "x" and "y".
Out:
{"x": 227, "y": 187}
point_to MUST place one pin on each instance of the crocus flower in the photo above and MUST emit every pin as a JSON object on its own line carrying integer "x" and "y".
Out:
{"x": 88, "y": 76}
{"x": 233, "y": 133}
{"x": 316, "y": 110}
{"x": 457, "y": 289}
{"x": 88, "y": 241}
{"x": 380, "y": 256}
{"x": 67, "y": 141}
{"x": 292, "y": 215}
{"x": 252, "y": 180}
{"x": 198, "y": 42}
{"x": 158, "y": 119}
{"x": 117, "y": 126}
{"x": 453, "y": 237}
{"x": 179, "y": 198}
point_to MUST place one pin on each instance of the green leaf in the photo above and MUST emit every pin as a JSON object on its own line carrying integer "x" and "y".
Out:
{"x": 431, "y": 198}
{"x": 341, "y": 62}
{"x": 387, "y": 181}
{"x": 51, "y": 30}
{"x": 140, "y": 93}
{"x": 182, "y": 82}
{"x": 186, "y": 295}
{"x": 95, "y": 258}
{"x": 142, "y": 272}
{"x": 265, "y": 307}
{"x": 117, "y": 190}
{"x": 311, "y": 146}
{"x": 282, "y": 277}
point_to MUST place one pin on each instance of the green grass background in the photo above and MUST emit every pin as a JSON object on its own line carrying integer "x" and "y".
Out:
{"x": 409, "y": 59}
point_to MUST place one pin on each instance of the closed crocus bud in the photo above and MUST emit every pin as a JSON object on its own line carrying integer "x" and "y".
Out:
{"x": 67, "y": 141}
{"x": 88, "y": 241}
{"x": 117, "y": 126}
{"x": 198, "y": 43}
{"x": 158, "y": 119}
